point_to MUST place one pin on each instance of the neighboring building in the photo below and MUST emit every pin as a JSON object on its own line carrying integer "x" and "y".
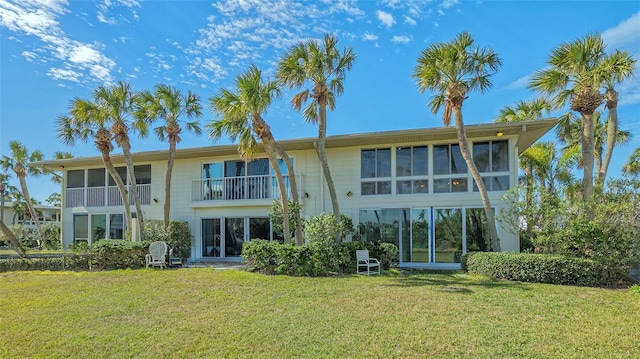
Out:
{"x": 46, "y": 214}
{"x": 408, "y": 187}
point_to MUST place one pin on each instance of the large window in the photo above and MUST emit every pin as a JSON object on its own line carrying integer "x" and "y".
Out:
{"x": 412, "y": 170}
{"x": 492, "y": 160}
{"x": 449, "y": 169}
{"x": 375, "y": 171}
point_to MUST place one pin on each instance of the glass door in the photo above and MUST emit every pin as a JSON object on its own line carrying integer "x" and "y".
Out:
{"x": 420, "y": 229}
{"x": 81, "y": 228}
{"x": 211, "y": 244}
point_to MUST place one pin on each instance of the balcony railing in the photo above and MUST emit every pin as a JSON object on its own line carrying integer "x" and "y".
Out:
{"x": 239, "y": 188}
{"x": 103, "y": 196}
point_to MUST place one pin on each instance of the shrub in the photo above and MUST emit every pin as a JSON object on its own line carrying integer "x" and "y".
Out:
{"x": 65, "y": 262}
{"x": 321, "y": 228}
{"x": 119, "y": 254}
{"x": 51, "y": 236}
{"x": 180, "y": 239}
{"x": 388, "y": 255}
{"x": 542, "y": 268}
{"x": 313, "y": 259}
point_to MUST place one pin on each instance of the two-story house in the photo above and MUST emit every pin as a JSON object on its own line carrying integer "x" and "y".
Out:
{"x": 408, "y": 187}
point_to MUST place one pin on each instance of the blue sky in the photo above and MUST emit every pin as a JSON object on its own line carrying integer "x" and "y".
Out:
{"x": 54, "y": 50}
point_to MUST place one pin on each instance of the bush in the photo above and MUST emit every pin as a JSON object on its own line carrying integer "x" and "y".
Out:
{"x": 180, "y": 239}
{"x": 542, "y": 268}
{"x": 388, "y": 255}
{"x": 313, "y": 259}
{"x": 65, "y": 262}
{"x": 51, "y": 236}
{"x": 119, "y": 254}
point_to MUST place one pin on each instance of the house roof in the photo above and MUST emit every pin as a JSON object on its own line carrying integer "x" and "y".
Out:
{"x": 527, "y": 132}
{"x": 41, "y": 207}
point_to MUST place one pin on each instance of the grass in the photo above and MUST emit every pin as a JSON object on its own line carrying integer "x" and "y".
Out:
{"x": 234, "y": 314}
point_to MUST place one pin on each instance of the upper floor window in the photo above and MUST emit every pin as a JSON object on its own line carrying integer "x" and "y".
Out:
{"x": 412, "y": 170}
{"x": 449, "y": 169}
{"x": 491, "y": 158}
{"x": 375, "y": 171}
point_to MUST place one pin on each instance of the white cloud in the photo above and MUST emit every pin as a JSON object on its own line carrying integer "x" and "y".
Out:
{"x": 403, "y": 39}
{"x": 446, "y": 4}
{"x": 385, "y": 18}
{"x": 369, "y": 37}
{"x": 625, "y": 33}
{"x": 105, "y": 7}
{"x": 79, "y": 61}
{"x": 410, "y": 21}
{"x": 62, "y": 74}
{"x": 28, "y": 55}
{"x": 520, "y": 83}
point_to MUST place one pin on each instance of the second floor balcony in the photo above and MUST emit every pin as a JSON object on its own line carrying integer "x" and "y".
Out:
{"x": 104, "y": 196}
{"x": 239, "y": 188}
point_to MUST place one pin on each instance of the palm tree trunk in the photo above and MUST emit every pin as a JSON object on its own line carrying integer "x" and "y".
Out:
{"x": 108, "y": 164}
{"x": 126, "y": 150}
{"x": 13, "y": 240}
{"x": 587, "y": 154}
{"x": 32, "y": 210}
{"x": 612, "y": 132}
{"x": 283, "y": 190}
{"x": 167, "y": 182}
{"x": 294, "y": 188}
{"x": 486, "y": 203}
{"x": 322, "y": 155}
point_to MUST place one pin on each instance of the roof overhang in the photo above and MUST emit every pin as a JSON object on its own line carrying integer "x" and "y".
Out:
{"x": 527, "y": 133}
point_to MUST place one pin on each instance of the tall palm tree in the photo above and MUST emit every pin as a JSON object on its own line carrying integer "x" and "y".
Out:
{"x": 241, "y": 111}
{"x": 616, "y": 67}
{"x": 168, "y": 104}
{"x": 577, "y": 70}
{"x": 632, "y": 166}
{"x": 18, "y": 161}
{"x": 452, "y": 70}
{"x": 117, "y": 105}
{"x": 324, "y": 68}
{"x": 86, "y": 121}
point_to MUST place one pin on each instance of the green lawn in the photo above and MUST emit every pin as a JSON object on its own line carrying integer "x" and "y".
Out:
{"x": 217, "y": 314}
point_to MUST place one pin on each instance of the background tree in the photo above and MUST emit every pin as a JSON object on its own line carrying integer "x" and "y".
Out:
{"x": 54, "y": 199}
{"x": 324, "y": 67}
{"x": 117, "y": 103}
{"x": 616, "y": 68}
{"x": 453, "y": 70}
{"x": 241, "y": 111}
{"x": 575, "y": 75}
{"x": 19, "y": 161}
{"x": 632, "y": 167}
{"x": 86, "y": 121}
{"x": 168, "y": 104}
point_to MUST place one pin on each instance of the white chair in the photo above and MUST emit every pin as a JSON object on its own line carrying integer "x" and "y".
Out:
{"x": 365, "y": 261}
{"x": 157, "y": 255}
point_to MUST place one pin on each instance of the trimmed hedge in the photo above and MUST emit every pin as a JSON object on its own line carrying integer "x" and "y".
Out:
{"x": 313, "y": 260}
{"x": 71, "y": 262}
{"x": 119, "y": 254}
{"x": 542, "y": 268}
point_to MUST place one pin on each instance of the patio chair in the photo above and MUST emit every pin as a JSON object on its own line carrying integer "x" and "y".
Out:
{"x": 157, "y": 255}
{"x": 365, "y": 261}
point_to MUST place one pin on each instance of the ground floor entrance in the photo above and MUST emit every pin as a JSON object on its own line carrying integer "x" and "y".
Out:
{"x": 429, "y": 235}
{"x": 224, "y": 237}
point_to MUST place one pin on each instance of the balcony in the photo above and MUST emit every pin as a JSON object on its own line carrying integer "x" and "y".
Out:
{"x": 103, "y": 196}
{"x": 239, "y": 188}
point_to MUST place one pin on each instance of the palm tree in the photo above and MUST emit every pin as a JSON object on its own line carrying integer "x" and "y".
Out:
{"x": 453, "y": 70}
{"x": 616, "y": 67}
{"x": 569, "y": 133}
{"x": 18, "y": 161}
{"x": 4, "y": 184}
{"x": 632, "y": 166}
{"x": 58, "y": 155}
{"x": 13, "y": 240}
{"x": 241, "y": 112}
{"x": 576, "y": 73}
{"x": 116, "y": 104}
{"x": 169, "y": 104}
{"x": 324, "y": 67}
{"x": 86, "y": 121}
{"x": 526, "y": 111}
